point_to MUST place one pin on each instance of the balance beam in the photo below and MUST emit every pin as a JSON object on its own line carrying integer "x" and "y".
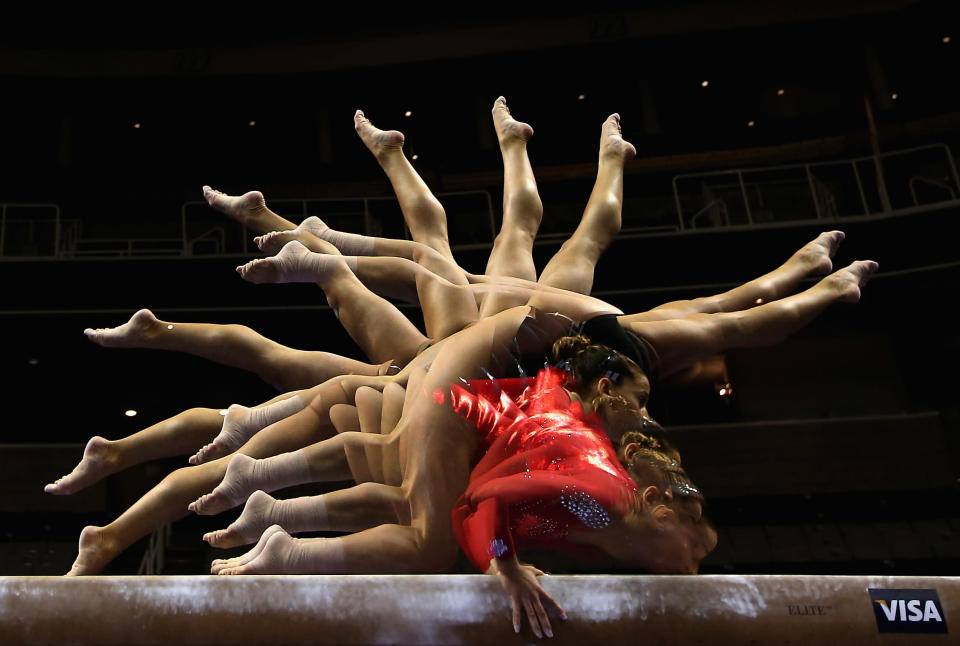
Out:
{"x": 447, "y": 609}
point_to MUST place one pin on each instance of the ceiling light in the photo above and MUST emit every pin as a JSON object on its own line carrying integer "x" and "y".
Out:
{"x": 704, "y": 83}
{"x": 408, "y": 113}
{"x": 130, "y": 413}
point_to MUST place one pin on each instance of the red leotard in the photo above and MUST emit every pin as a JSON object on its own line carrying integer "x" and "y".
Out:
{"x": 547, "y": 468}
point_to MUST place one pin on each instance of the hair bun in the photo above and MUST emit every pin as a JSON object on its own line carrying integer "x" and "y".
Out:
{"x": 568, "y": 347}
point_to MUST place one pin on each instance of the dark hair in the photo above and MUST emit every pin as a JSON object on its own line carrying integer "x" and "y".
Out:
{"x": 590, "y": 361}
{"x": 658, "y": 453}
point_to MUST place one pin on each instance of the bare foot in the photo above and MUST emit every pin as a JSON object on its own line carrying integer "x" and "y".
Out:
{"x": 257, "y": 516}
{"x": 238, "y": 483}
{"x": 612, "y": 143}
{"x": 380, "y": 142}
{"x": 222, "y": 564}
{"x": 848, "y": 281}
{"x": 817, "y": 253}
{"x": 307, "y": 233}
{"x": 246, "y": 209}
{"x": 241, "y": 423}
{"x": 99, "y": 461}
{"x": 294, "y": 264}
{"x": 275, "y": 557}
{"x": 508, "y": 129}
{"x": 135, "y": 333}
{"x": 94, "y": 554}
{"x": 260, "y": 271}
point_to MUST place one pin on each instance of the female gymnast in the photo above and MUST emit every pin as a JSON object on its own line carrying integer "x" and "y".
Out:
{"x": 383, "y": 333}
{"x": 169, "y": 499}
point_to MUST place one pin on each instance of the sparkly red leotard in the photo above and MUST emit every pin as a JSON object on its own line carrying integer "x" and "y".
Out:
{"x": 547, "y": 468}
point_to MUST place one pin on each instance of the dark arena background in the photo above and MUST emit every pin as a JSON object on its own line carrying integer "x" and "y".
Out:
{"x": 830, "y": 462}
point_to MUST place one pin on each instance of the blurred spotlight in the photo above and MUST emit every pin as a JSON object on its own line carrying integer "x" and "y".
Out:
{"x": 704, "y": 83}
{"x": 751, "y": 123}
{"x": 136, "y": 125}
{"x": 33, "y": 362}
{"x": 252, "y": 123}
{"x": 894, "y": 96}
{"x": 581, "y": 97}
{"x": 780, "y": 92}
{"x": 725, "y": 390}
{"x": 408, "y": 113}
{"x": 946, "y": 39}
{"x": 130, "y": 413}
{"x": 415, "y": 157}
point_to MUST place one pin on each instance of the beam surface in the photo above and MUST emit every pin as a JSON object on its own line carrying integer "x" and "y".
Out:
{"x": 448, "y": 609}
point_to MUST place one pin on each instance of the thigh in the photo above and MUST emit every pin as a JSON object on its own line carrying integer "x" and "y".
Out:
{"x": 680, "y": 343}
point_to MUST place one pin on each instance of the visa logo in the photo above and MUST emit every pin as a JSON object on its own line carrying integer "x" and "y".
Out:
{"x": 908, "y": 611}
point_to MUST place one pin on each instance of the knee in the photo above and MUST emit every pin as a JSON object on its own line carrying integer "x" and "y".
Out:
{"x": 427, "y": 202}
{"x": 424, "y": 255}
{"x": 515, "y": 237}
{"x": 526, "y": 200}
{"x": 238, "y": 330}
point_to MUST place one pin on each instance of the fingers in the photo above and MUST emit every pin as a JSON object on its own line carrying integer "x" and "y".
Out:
{"x": 516, "y": 615}
{"x": 542, "y": 618}
{"x": 532, "y": 617}
{"x": 551, "y": 604}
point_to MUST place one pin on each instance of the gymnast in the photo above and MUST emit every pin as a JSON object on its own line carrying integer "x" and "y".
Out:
{"x": 164, "y": 503}
{"x": 195, "y": 428}
{"x": 382, "y": 332}
{"x": 548, "y": 477}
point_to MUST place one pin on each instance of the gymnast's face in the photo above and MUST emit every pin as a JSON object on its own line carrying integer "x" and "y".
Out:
{"x": 634, "y": 388}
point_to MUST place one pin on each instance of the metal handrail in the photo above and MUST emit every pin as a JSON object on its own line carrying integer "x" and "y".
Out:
{"x": 932, "y": 182}
{"x": 811, "y": 179}
{"x": 56, "y": 221}
{"x": 220, "y": 238}
{"x": 716, "y": 202}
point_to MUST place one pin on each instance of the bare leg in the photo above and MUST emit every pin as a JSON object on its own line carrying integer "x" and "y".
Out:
{"x": 241, "y": 423}
{"x": 682, "y": 342}
{"x": 248, "y": 209}
{"x": 813, "y": 259}
{"x": 427, "y": 543}
{"x": 346, "y": 510}
{"x": 179, "y": 435}
{"x": 379, "y": 328}
{"x": 422, "y": 211}
{"x": 572, "y": 267}
{"x": 341, "y": 457}
{"x": 168, "y": 501}
{"x": 512, "y": 253}
{"x": 236, "y": 346}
